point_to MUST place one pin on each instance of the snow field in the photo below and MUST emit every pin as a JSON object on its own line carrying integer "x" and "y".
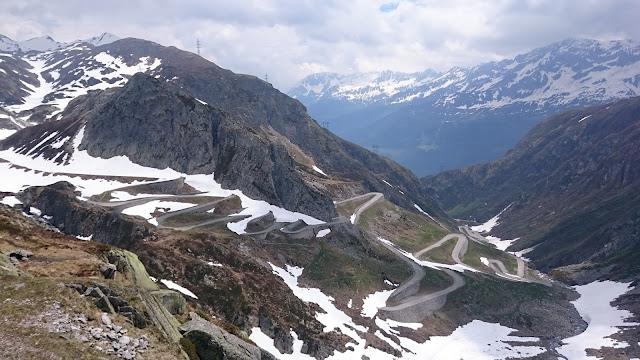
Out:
{"x": 82, "y": 163}
{"x": 604, "y": 320}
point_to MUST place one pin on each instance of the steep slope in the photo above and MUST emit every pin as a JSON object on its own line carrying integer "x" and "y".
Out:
{"x": 570, "y": 189}
{"x": 59, "y": 76}
{"x": 471, "y": 115}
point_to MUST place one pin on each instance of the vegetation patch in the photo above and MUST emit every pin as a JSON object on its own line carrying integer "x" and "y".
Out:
{"x": 476, "y": 250}
{"x": 434, "y": 280}
{"x": 411, "y": 232}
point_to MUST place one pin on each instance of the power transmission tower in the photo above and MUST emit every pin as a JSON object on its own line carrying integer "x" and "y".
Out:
{"x": 325, "y": 124}
{"x": 375, "y": 148}
{"x": 266, "y": 78}
{"x": 198, "y": 46}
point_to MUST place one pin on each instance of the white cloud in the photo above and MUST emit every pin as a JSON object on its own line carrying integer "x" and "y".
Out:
{"x": 289, "y": 40}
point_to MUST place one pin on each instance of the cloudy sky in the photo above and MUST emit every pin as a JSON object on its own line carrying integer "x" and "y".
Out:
{"x": 289, "y": 39}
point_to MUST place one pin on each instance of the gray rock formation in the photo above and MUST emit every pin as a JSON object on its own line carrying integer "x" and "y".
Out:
{"x": 212, "y": 342}
{"x": 173, "y": 301}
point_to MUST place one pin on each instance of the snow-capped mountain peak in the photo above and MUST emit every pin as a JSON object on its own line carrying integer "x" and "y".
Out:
{"x": 47, "y": 43}
{"x": 573, "y": 70}
{"x": 358, "y": 87}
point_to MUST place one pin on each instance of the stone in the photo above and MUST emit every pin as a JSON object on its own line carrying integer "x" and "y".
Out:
{"x": 173, "y": 301}
{"x": 128, "y": 354}
{"x": 108, "y": 271}
{"x": 104, "y": 305}
{"x": 105, "y": 319}
{"x": 20, "y": 254}
{"x": 125, "y": 340}
{"x": 94, "y": 292}
{"x": 212, "y": 342}
{"x": 96, "y": 333}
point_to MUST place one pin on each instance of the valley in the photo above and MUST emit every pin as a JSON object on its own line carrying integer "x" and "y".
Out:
{"x": 211, "y": 208}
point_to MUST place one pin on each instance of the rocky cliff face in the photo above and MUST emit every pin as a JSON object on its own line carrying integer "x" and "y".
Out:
{"x": 249, "y": 101}
{"x": 573, "y": 186}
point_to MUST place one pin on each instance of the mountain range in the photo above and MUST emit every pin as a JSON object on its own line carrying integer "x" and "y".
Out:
{"x": 229, "y": 223}
{"x": 431, "y": 121}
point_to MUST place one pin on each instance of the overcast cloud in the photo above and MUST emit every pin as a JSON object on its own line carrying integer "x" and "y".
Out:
{"x": 289, "y": 39}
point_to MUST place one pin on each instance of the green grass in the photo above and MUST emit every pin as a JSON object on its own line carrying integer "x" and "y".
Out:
{"x": 411, "y": 232}
{"x": 441, "y": 254}
{"x": 349, "y": 208}
{"x": 333, "y": 269}
{"x": 188, "y": 219}
{"x": 476, "y": 250}
{"x": 434, "y": 280}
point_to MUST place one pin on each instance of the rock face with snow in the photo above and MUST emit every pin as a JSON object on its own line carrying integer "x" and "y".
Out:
{"x": 429, "y": 122}
{"x": 574, "y": 188}
{"x": 273, "y": 134}
{"x": 211, "y": 342}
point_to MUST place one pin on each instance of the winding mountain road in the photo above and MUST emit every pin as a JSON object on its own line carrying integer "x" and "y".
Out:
{"x": 375, "y": 198}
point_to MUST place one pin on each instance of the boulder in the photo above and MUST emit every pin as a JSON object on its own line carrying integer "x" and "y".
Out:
{"x": 128, "y": 264}
{"x": 173, "y": 301}
{"x": 212, "y": 342}
{"x": 21, "y": 254}
{"x": 7, "y": 267}
{"x": 108, "y": 271}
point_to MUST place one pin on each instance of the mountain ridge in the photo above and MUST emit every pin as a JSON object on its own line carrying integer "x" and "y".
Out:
{"x": 466, "y": 116}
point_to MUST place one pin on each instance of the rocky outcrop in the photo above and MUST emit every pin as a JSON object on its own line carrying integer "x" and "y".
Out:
{"x": 212, "y": 342}
{"x": 75, "y": 217}
{"x": 128, "y": 264}
{"x": 572, "y": 186}
{"x": 173, "y": 301}
{"x": 183, "y": 133}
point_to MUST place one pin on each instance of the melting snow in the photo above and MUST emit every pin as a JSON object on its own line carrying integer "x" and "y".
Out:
{"x": 146, "y": 210}
{"x": 4, "y": 133}
{"x": 499, "y": 243}
{"x": 171, "y": 285}
{"x": 323, "y": 233}
{"x": 82, "y": 163}
{"x": 373, "y": 302}
{"x": 86, "y": 238}
{"x": 266, "y": 343}
{"x": 385, "y": 181}
{"x": 484, "y": 260}
{"x": 317, "y": 169}
{"x": 11, "y": 201}
{"x": 490, "y": 224}
{"x": 602, "y": 318}
{"x": 584, "y": 118}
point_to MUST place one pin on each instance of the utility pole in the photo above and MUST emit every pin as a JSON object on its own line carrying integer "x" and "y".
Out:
{"x": 198, "y": 46}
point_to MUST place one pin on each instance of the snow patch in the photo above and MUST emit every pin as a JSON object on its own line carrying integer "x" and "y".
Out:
{"x": 373, "y": 302}
{"x": 10, "y": 200}
{"x": 584, "y": 118}
{"x": 85, "y": 238}
{"x": 171, "y": 285}
{"x": 594, "y": 305}
{"x": 499, "y": 243}
{"x": 318, "y": 170}
{"x": 490, "y": 224}
{"x": 323, "y": 233}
